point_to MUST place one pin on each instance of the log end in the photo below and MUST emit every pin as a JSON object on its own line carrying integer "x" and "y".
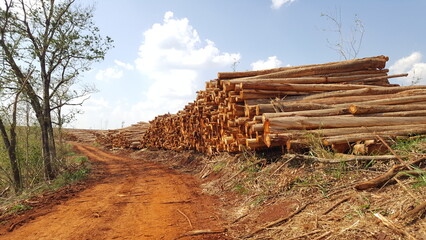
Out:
{"x": 353, "y": 109}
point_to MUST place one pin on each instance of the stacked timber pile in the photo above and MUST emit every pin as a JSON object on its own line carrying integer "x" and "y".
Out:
{"x": 340, "y": 102}
{"x": 81, "y": 135}
{"x": 129, "y": 137}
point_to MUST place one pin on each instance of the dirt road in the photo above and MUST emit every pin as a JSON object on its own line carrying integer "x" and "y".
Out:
{"x": 136, "y": 199}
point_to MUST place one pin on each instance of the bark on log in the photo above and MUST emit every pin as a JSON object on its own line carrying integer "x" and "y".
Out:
{"x": 364, "y": 91}
{"x": 350, "y": 138}
{"x": 285, "y": 123}
{"x": 355, "y": 64}
{"x": 307, "y": 113}
{"x": 345, "y": 66}
{"x": 301, "y": 87}
{"x": 368, "y": 109}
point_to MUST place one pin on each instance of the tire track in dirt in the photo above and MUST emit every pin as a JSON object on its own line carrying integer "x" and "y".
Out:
{"x": 135, "y": 199}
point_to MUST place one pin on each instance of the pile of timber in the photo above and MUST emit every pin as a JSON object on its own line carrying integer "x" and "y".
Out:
{"x": 129, "y": 137}
{"x": 340, "y": 102}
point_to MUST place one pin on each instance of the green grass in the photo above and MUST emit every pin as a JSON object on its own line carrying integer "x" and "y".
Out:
{"x": 219, "y": 166}
{"x": 410, "y": 146}
{"x": 20, "y": 208}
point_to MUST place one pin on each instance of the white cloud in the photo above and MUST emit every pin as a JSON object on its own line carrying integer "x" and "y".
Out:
{"x": 276, "y": 4}
{"x": 177, "y": 62}
{"x": 272, "y": 62}
{"x": 109, "y": 73}
{"x": 413, "y": 66}
{"x": 126, "y": 66}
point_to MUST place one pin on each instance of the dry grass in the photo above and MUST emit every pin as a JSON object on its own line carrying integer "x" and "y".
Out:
{"x": 259, "y": 189}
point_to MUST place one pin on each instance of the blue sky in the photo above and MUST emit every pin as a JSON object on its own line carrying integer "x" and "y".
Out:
{"x": 165, "y": 50}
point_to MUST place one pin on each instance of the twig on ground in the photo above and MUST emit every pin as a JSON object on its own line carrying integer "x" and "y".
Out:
{"x": 189, "y": 221}
{"x": 305, "y": 235}
{"x": 4, "y": 191}
{"x": 390, "y": 149}
{"x": 416, "y": 212}
{"x": 242, "y": 170}
{"x": 404, "y": 187}
{"x": 380, "y": 180}
{"x": 323, "y": 236}
{"x": 277, "y": 222}
{"x": 391, "y": 225}
{"x": 201, "y": 232}
{"x": 347, "y": 158}
{"x": 346, "y": 229}
{"x": 337, "y": 204}
{"x": 282, "y": 165}
{"x": 239, "y": 218}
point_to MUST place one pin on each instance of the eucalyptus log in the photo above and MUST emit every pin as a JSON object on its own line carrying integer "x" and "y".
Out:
{"x": 301, "y": 87}
{"x": 364, "y": 91}
{"x": 342, "y": 66}
{"x": 368, "y": 109}
{"x": 285, "y": 123}
{"x": 378, "y": 62}
{"x": 288, "y": 107}
{"x": 350, "y": 138}
{"x": 307, "y": 113}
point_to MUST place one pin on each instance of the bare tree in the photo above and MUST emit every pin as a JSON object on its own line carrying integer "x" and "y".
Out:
{"x": 348, "y": 42}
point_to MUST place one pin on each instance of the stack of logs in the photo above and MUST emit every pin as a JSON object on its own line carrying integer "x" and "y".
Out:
{"x": 129, "y": 137}
{"x": 340, "y": 103}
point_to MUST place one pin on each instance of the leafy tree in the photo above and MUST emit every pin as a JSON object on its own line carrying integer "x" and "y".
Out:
{"x": 52, "y": 42}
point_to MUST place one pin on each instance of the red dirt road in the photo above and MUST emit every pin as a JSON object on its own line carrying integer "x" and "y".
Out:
{"x": 135, "y": 199}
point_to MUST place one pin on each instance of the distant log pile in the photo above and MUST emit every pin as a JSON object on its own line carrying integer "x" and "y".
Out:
{"x": 341, "y": 103}
{"x": 129, "y": 137}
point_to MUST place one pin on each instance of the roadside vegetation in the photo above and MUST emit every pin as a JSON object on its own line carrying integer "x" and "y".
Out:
{"x": 70, "y": 168}
{"x": 272, "y": 195}
{"x": 44, "y": 47}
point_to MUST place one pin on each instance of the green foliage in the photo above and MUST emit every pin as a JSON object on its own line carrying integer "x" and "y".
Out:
{"x": 241, "y": 189}
{"x": 20, "y": 208}
{"x": 419, "y": 175}
{"x": 317, "y": 148}
{"x": 219, "y": 166}
{"x": 412, "y": 145}
{"x": 315, "y": 181}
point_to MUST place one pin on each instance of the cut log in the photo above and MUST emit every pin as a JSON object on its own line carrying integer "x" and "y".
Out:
{"x": 288, "y": 107}
{"x": 368, "y": 109}
{"x": 308, "y": 113}
{"x": 353, "y": 65}
{"x": 391, "y": 101}
{"x": 267, "y": 94}
{"x": 345, "y": 66}
{"x": 364, "y": 91}
{"x": 301, "y": 87}
{"x": 285, "y": 123}
{"x": 415, "y": 113}
{"x": 276, "y": 139}
{"x": 350, "y": 138}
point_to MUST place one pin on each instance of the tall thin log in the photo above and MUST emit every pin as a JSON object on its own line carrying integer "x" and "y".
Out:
{"x": 284, "y": 123}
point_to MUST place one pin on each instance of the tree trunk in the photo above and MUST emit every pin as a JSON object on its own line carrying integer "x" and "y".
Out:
{"x": 10, "y": 145}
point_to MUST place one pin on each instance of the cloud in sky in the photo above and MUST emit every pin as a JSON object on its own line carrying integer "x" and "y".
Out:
{"x": 177, "y": 63}
{"x": 271, "y": 62}
{"x": 109, "y": 73}
{"x": 413, "y": 66}
{"x": 276, "y": 4}
{"x": 126, "y": 66}
{"x": 174, "y": 61}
